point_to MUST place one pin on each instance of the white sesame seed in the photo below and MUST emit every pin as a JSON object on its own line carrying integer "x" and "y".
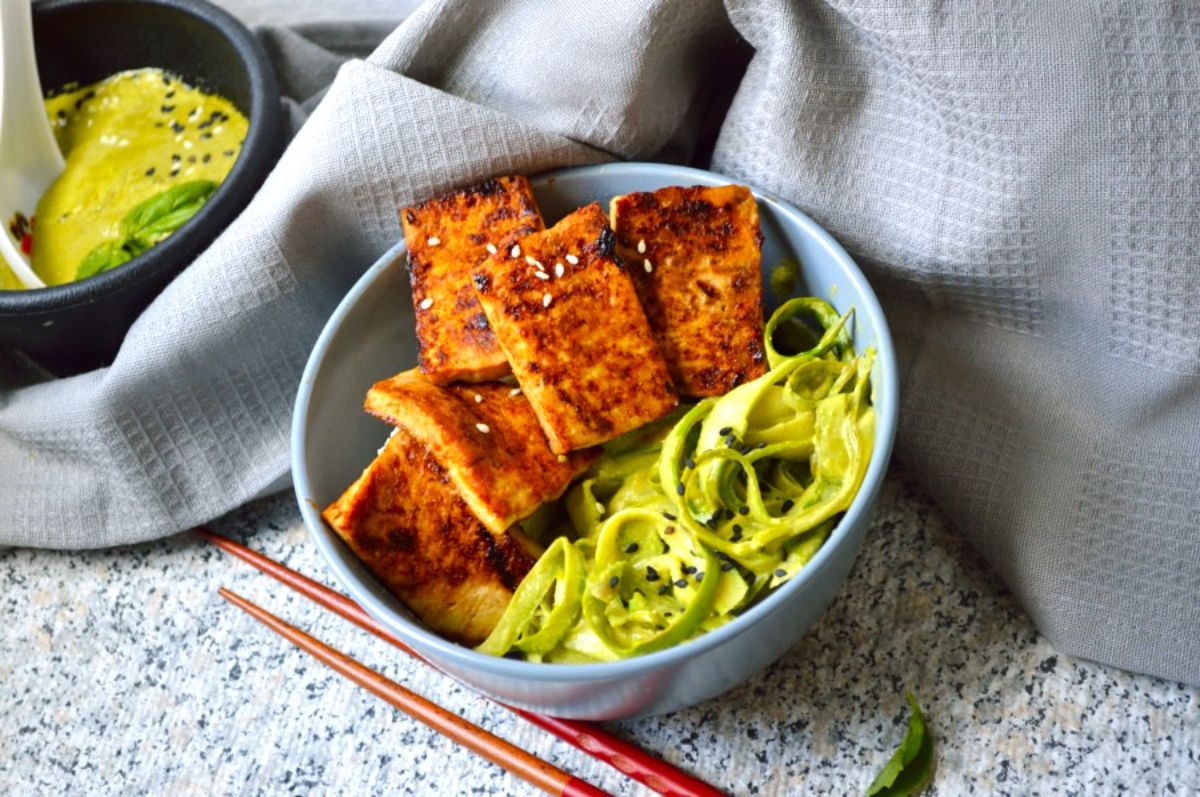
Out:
{"x": 546, "y": 299}
{"x": 516, "y": 391}
{"x": 516, "y": 251}
{"x": 492, "y": 249}
{"x": 531, "y": 260}
{"x": 574, "y": 261}
{"x": 562, "y": 457}
{"x": 558, "y": 269}
{"x": 600, "y": 507}
{"x": 433, "y": 240}
{"x": 426, "y": 304}
{"x": 646, "y": 265}
{"x": 483, "y": 427}
{"x": 187, "y": 145}
{"x": 641, "y": 247}
{"x": 541, "y": 275}
{"x": 478, "y": 399}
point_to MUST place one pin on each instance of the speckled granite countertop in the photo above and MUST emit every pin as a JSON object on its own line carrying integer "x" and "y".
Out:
{"x": 122, "y": 672}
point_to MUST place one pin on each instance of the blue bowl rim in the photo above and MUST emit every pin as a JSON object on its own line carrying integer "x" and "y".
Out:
{"x": 424, "y": 640}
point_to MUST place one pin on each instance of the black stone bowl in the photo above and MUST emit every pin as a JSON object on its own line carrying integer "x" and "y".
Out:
{"x": 81, "y": 324}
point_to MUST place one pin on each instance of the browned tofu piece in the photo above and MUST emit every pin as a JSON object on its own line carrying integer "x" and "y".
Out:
{"x": 487, "y": 439}
{"x": 447, "y": 236}
{"x": 695, "y": 254}
{"x": 405, "y": 520}
{"x": 565, "y": 312}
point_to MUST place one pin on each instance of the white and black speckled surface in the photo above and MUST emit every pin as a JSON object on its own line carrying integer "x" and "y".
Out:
{"x": 122, "y": 672}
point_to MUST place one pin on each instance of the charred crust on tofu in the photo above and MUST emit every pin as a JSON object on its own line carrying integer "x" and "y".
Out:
{"x": 411, "y": 528}
{"x": 578, "y": 340}
{"x": 447, "y": 237}
{"x": 702, "y": 284}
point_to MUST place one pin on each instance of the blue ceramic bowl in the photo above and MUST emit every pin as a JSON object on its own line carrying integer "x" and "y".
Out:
{"x": 370, "y": 337}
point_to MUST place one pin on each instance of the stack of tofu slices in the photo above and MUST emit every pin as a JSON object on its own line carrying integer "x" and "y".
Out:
{"x": 536, "y": 346}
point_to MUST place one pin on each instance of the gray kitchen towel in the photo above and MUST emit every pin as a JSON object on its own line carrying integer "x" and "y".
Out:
{"x": 1020, "y": 180}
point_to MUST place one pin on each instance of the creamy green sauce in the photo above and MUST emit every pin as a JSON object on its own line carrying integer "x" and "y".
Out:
{"x": 126, "y": 139}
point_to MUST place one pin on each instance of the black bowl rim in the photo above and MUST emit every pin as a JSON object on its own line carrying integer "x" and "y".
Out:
{"x": 262, "y": 137}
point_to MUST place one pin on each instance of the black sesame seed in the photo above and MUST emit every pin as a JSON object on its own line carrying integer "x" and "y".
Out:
{"x": 780, "y": 573}
{"x": 724, "y": 430}
{"x": 744, "y": 510}
{"x": 631, "y": 547}
{"x": 745, "y": 448}
{"x": 61, "y": 114}
{"x": 205, "y": 136}
{"x": 681, "y": 583}
{"x": 191, "y": 158}
{"x": 669, "y": 530}
{"x": 689, "y": 463}
{"x": 150, "y": 172}
{"x": 668, "y": 614}
{"x": 787, "y": 506}
{"x": 178, "y": 128}
{"x": 725, "y": 568}
{"x": 689, "y": 569}
{"x": 159, "y": 124}
{"x": 651, "y": 573}
{"x": 669, "y": 516}
{"x": 206, "y": 157}
{"x": 679, "y": 489}
{"x": 730, "y": 440}
{"x": 664, "y": 589}
{"x": 170, "y": 94}
{"x": 167, "y": 108}
{"x": 724, "y": 557}
{"x": 176, "y": 158}
{"x": 614, "y": 581}
{"x": 228, "y": 153}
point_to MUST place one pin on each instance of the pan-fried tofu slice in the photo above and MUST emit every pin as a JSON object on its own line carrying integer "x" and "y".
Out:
{"x": 695, "y": 254}
{"x": 565, "y": 312}
{"x": 487, "y": 438}
{"x": 405, "y": 520}
{"x": 447, "y": 236}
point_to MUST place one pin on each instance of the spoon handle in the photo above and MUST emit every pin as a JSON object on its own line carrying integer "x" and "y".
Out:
{"x": 26, "y": 140}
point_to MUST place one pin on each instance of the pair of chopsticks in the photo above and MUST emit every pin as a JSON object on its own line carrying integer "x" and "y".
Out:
{"x": 591, "y": 739}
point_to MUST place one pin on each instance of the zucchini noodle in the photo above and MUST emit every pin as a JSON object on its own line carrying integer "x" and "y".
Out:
{"x": 686, "y": 522}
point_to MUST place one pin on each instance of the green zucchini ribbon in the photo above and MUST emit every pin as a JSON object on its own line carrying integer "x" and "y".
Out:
{"x": 685, "y": 523}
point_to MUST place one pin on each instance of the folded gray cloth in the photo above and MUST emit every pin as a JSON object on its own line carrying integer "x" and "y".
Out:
{"x": 1021, "y": 182}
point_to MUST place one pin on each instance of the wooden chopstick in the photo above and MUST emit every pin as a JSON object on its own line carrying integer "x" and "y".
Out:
{"x": 520, "y": 763}
{"x": 629, "y": 759}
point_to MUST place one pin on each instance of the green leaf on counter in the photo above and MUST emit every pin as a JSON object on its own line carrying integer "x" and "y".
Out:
{"x": 910, "y": 768}
{"x": 147, "y": 224}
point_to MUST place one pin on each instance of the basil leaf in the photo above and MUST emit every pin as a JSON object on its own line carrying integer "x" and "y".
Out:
{"x": 149, "y": 222}
{"x": 162, "y": 214}
{"x": 107, "y": 255}
{"x": 910, "y": 768}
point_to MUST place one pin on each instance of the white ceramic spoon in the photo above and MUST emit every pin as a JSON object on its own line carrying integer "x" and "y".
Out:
{"x": 29, "y": 157}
